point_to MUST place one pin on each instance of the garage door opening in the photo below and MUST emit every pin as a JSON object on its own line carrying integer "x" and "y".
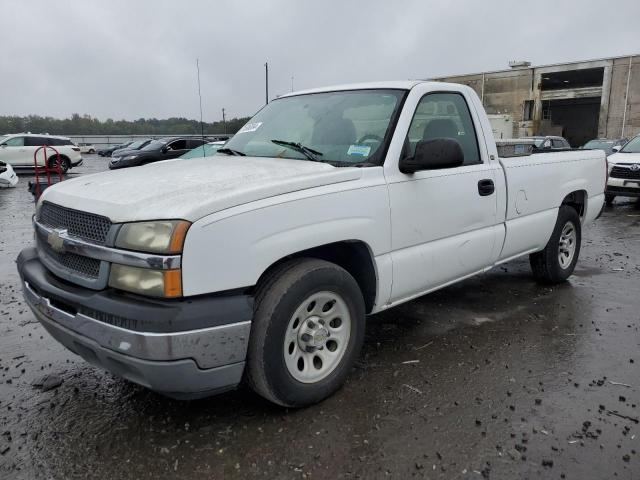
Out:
{"x": 589, "y": 77}
{"x": 576, "y": 119}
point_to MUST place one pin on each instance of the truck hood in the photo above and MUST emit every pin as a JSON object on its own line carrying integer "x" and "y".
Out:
{"x": 191, "y": 189}
{"x": 624, "y": 158}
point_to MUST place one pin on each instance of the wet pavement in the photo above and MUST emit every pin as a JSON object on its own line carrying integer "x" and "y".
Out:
{"x": 495, "y": 377}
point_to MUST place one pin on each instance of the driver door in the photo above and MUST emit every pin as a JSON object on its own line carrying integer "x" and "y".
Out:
{"x": 443, "y": 220}
{"x": 176, "y": 149}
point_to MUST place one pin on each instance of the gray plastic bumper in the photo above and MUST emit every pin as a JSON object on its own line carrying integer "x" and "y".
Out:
{"x": 183, "y": 364}
{"x": 181, "y": 379}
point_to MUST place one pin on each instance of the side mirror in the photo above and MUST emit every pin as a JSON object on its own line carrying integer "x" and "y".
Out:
{"x": 164, "y": 149}
{"x": 616, "y": 149}
{"x": 433, "y": 154}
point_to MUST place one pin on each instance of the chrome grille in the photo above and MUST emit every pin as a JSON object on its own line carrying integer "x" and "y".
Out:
{"x": 85, "y": 266}
{"x": 624, "y": 172}
{"x": 87, "y": 226}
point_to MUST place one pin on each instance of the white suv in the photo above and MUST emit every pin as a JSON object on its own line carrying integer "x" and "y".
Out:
{"x": 17, "y": 150}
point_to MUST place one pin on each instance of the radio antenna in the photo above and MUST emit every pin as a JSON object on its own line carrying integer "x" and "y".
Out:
{"x": 200, "y": 98}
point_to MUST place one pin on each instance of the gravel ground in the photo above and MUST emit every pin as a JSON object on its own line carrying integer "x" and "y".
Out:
{"x": 495, "y": 377}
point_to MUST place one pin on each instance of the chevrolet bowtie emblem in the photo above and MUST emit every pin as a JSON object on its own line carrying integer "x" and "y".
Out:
{"x": 55, "y": 240}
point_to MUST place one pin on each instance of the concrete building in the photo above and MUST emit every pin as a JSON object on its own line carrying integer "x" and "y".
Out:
{"x": 578, "y": 100}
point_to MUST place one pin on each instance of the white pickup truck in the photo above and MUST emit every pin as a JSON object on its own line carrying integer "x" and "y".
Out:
{"x": 263, "y": 261}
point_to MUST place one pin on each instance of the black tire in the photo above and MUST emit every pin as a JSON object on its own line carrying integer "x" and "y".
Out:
{"x": 92, "y": 150}
{"x": 65, "y": 164}
{"x": 608, "y": 198}
{"x": 546, "y": 264}
{"x": 277, "y": 298}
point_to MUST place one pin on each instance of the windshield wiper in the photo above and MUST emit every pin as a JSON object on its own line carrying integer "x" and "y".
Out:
{"x": 231, "y": 151}
{"x": 310, "y": 153}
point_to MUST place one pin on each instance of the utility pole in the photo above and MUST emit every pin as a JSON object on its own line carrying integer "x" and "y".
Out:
{"x": 200, "y": 99}
{"x": 266, "y": 82}
{"x": 224, "y": 121}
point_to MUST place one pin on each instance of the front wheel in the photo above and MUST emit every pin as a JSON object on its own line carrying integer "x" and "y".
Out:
{"x": 307, "y": 332}
{"x": 557, "y": 261}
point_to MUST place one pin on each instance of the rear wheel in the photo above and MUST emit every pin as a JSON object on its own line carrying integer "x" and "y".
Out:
{"x": 557, "y": 261}
{"x": 307, "y": 332}
{"x": 91, "y": 150}
{"x": 65, "y": 164}
{"x": 608, "y": 198}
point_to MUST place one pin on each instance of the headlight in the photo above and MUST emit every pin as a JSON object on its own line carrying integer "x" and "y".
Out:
{"x": 610, "y": 166}
{"x": 165, "y": 237}
{"x": 155, "y": 283}
{"x": 130, "y": 157}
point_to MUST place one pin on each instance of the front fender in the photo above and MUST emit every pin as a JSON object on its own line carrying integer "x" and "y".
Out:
{"x": 231, "y": 249}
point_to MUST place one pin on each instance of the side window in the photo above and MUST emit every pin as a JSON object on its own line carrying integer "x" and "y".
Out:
{"x": 557, "y": 143}
{"x": 444, "y": 115}
{"x": 193, "y": 143}
{"x": 178, "y": 145}
{"x": 15, "y": 142}
{"x": 35, "y": 141}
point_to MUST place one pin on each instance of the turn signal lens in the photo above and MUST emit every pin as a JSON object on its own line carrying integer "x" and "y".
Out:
{"x": 173, "y": 283}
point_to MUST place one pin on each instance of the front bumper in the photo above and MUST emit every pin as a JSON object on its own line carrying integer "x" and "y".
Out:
{"x": 188, "y": 348}
{"x": 124, "y": 163}
{"x": 623, "y": 187}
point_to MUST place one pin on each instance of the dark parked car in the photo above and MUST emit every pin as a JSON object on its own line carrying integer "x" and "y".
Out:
{"x": 106, "y": 152}
{"x": 162, "y": 149}
{"x": 606, "y": 144}
{"x": 137, "y": 145}
{"x": 549, "y": 142}
{"x": 206, "y": 150}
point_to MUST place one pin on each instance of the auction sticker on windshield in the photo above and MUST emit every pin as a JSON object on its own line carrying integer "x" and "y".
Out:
{"x": 250, "y": 127}
{"x": 359, "y": 150}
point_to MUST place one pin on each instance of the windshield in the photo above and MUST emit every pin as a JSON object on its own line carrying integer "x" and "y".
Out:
{"x": 606, "y": 145}
{"x": 633, "y": 146}
{"x": 205, "y": 150}
{"x": 136, "y": 145}
{"x": 343, "y": 128}
{"x": 156, "y": 144}
{"x": 537, "y": 141}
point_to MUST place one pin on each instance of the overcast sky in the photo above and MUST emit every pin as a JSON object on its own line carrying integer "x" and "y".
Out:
{"x": 131, "y": 59}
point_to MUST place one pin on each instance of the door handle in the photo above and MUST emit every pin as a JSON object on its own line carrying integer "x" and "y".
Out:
{"x": 486, "y": 187}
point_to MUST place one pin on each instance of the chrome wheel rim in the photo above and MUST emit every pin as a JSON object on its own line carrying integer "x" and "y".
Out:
{"x": 317, "y": 337}
{"x": 567, "y": 247}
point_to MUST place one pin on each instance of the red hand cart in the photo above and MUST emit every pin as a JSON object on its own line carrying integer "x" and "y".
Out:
{"x": 47, "y": 175}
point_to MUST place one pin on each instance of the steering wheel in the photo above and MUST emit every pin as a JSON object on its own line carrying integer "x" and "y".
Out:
{"x": 371, "y": 136}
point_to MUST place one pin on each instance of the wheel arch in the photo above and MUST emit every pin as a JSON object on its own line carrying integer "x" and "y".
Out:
{"x": 577, "y": 200}
{"x": 355, "y": 256}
